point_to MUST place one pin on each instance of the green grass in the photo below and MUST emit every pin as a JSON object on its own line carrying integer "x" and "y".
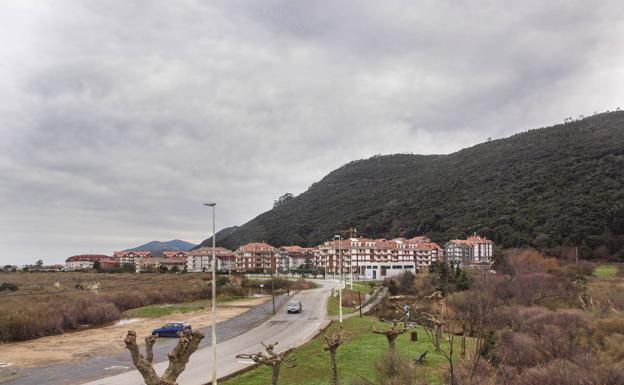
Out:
{"x": 154, "y": 311}
{"x": 363, "y": 288}
{"x": 356, "y": 357}
{"x": 605, "y": 271}
{"x": 332, "y": 307}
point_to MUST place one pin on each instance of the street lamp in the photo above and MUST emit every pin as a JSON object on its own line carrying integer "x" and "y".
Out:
{"x": 339, "y": 277}
{"x": 214, "y": 296}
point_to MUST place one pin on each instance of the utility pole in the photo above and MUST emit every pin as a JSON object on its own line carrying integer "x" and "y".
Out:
{"x": 273, "y": 269}
{"x": 214, "y": 296}
{"x": 339, "y": 276}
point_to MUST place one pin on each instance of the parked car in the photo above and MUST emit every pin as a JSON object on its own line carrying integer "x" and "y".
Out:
{"x": 171, "y": 329}
{"x": 294, "y": 307}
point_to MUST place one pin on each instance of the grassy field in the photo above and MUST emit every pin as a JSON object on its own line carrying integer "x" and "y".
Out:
{"x": 332, "y": 307}
{"x": 153, "y": 311}
{"x": 356, "y": 357}
{"x": 605, "y": 271}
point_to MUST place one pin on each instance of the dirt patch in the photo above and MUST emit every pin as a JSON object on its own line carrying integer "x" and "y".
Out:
{"x": 109, "y": 339}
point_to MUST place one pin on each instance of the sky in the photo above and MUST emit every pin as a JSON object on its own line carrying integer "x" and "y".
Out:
{"x": 118, "y": 119}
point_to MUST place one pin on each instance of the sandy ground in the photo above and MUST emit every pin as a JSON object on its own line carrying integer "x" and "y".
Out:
{"x": 105, "y": 340}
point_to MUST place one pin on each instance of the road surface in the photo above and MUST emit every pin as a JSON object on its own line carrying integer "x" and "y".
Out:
{"x": 290, "y": 330}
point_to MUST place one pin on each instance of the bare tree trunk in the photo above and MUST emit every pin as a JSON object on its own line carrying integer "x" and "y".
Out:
{"x": 178, "y": 358}
{"x": 334, "y": 367}
{"x": 463, "y": 343}
{"x": 333, "y": 343}
{"x": 276, "y": 370}
{"x": 271, "y": 358}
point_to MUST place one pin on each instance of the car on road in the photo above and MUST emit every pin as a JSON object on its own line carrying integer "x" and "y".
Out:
{"x": 171, "y": 329}
{"x": 294, "y": 307}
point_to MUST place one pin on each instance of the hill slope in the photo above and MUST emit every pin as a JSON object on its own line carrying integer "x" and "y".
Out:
{"x": 549, "y": 187}
{"x": 220, "y": 235}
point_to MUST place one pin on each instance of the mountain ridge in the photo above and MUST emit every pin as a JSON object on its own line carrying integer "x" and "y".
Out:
{"x": 158, "y": 246}
{"x": 549, "y": 188}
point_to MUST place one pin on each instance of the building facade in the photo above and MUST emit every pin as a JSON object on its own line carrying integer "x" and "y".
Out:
{"x": 259, "y": 257}
{"x": 131, "y": 257}
{"x": 473, "y": 250}
{"x": 377, "y": 258}
{"x": 200, "y": 260}
{"x": 86, "y": 261}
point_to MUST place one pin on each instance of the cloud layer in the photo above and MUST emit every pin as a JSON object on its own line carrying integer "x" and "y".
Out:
{"x": 119, "y": 118}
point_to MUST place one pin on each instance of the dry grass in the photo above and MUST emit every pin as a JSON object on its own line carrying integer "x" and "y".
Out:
{"x": 50, "y": 303}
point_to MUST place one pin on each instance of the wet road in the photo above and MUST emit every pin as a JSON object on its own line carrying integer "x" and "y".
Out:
{"x": 290, "y": 330}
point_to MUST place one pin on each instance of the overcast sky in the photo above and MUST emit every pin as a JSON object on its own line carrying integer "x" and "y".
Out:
{"x": 119, "y": 118}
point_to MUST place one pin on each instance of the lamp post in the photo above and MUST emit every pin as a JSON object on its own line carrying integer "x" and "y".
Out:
{"x": 214, "y": 296}
{"x": 339, "y": 277}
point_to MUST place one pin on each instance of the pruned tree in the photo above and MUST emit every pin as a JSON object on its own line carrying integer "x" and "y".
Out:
{"x": 433, "y": 326}
{"x": 399, "y": 326}
{"x": 333, "y": 343}
{"x": 178, "y": 358}
{"x": 272, "y": 359}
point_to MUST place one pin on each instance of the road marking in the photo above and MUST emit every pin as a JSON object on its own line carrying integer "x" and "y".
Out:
{"x": 116, "y": 367}
{"x": 245, "y": 362}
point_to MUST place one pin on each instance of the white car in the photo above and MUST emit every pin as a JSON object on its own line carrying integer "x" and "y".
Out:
{"x": 294, "y": 307}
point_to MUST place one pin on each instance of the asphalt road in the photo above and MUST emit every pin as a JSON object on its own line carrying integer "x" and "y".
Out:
{"x": 290, "y": 330}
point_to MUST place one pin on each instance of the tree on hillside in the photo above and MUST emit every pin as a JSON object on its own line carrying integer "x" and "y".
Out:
{"x": 283, "y": 199}
{"x": 178, "y": 358}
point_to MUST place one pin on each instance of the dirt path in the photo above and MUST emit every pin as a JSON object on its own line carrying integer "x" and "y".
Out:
{"x": 85, "y": 344}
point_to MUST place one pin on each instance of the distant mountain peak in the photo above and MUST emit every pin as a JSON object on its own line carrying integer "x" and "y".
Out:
{"x": 158, "y": 246}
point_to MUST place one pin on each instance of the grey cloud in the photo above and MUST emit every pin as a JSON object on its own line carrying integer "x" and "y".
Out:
{"x": 122, "y": 117}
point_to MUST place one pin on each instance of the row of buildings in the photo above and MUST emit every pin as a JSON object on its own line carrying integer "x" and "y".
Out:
{"x": 361, "y": 257}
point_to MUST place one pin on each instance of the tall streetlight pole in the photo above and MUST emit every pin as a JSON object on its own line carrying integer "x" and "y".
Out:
{"x": 339, "y": 277}
{"x": 214, "y": 296}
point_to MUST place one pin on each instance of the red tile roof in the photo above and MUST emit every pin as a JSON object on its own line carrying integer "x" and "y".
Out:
{"x": 256, "y": 246}
{"x": 90, "y": 258}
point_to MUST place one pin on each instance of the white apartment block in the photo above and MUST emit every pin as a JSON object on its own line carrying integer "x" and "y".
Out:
{"x": 474, "y": 250}
{"x": 377, "y": 258}
{"x": 200, "y": 260}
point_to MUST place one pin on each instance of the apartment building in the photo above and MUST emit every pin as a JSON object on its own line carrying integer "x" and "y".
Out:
{"x": 174, "y": 254}
{"x": 377, "y": 258}
{"x": 259, "y": 257}
{"x": 473, "y": 250}
{"x": 200, "y": 260}
{"x": 297, "y": 257}
{"x": 86, "y": 261}
{"x": 131, "y": 257}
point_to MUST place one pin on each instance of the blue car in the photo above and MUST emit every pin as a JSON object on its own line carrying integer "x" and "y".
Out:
{"x": 171, "y": 329}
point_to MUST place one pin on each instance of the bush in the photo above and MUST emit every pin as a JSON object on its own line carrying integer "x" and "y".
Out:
{"x": 8, "y": 286}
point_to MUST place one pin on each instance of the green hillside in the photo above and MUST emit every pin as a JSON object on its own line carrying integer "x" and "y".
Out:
{"x": 549, "y": 187}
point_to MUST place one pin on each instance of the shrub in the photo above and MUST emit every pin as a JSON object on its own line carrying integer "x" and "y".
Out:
{"x": 8, "y": 286}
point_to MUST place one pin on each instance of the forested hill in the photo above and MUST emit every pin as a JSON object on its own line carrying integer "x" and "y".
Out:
{"x": 548, "y": 187}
